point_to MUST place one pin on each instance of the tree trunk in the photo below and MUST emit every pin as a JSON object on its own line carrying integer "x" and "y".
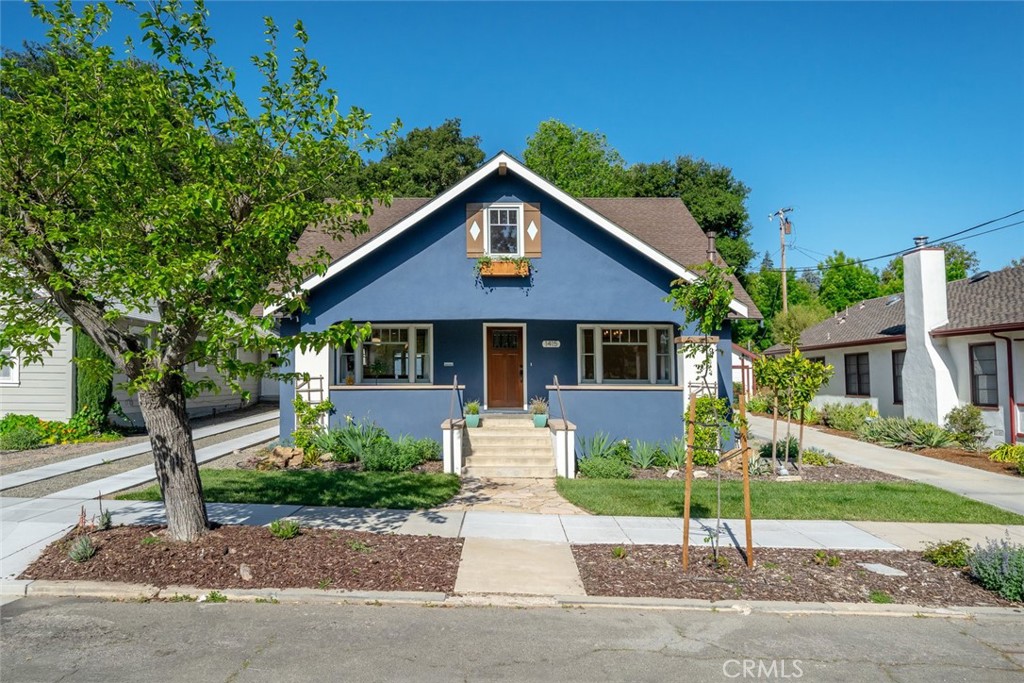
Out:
{"x": 800, "y": 445}
{"x": 775, "y": 434}
{"x": 174, "y": 455}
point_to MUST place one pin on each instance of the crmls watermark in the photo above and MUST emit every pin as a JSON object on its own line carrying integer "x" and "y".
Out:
{"x": 762, "y": 668}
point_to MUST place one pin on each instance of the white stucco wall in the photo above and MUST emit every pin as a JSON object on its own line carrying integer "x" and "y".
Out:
{"x": 879, "y": 372}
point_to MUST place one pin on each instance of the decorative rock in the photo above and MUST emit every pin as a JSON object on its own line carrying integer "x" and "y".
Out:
{"x": 672, "y": 473}
{"x": 245, "y": 572}
{"x": 700, "y": 474}
{"x": 883, "y": 569}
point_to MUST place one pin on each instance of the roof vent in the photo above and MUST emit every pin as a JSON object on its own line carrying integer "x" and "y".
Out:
{"x": 893, "y": 300}
{"x": 978, "y": 277}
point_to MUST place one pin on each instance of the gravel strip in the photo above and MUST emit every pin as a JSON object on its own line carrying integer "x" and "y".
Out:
{"x": 66, "y": 481}
{"x": 16, "y": 461}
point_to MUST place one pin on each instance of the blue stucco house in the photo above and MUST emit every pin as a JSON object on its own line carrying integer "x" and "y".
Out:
{"x": 590, "y": 309}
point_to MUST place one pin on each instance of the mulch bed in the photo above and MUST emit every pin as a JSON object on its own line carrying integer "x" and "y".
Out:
{"x": 779, "y": 574}
{"x": 843, "y": 473}
{"x": 316, "y": 558}
{"x": 970, "y": 459}
{"x": 253, "y": 457}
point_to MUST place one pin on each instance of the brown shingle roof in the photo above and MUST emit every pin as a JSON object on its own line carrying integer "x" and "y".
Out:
{"x": 663, "y": 223}
{"x": 992, "y": 302}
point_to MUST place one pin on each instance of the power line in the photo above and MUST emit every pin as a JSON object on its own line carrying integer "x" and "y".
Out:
{"x": 944, "y": 239}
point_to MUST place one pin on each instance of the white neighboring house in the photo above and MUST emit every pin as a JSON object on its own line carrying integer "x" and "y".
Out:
{"x": 932, "y": 348}
{"x": 47, "y": 389}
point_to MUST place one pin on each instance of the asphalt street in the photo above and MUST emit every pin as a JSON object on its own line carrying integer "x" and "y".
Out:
{"x": 68, "y": 639}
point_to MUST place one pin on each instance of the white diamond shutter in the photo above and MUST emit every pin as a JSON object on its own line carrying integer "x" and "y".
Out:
{"x": 531, "y": 230}
{"x": 475, "y": 230}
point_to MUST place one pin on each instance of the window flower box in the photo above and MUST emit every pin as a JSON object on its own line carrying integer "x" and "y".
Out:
{"x": 503, "y": 268}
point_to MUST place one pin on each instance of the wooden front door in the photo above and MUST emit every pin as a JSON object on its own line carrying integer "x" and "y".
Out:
{"x": 504, "y": 367}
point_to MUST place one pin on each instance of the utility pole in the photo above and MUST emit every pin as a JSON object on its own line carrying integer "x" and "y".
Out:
{"x": 785, "y": 228}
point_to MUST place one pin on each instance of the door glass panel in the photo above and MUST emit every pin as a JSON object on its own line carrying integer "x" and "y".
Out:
{"x": 504, "y": 339}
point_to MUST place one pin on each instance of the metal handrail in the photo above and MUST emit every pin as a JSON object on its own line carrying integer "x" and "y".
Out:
{"x": 451, "y": 406}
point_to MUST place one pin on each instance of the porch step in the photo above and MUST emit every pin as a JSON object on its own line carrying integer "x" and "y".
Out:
{"x": 501, "y": 472}
{"x": 508, "y": 445}
{"x": 478, "y": 460}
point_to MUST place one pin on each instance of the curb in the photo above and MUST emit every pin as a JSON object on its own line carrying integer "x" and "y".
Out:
{"x": 132, "y": 591}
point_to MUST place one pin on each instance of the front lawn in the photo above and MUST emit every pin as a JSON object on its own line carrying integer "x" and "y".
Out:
{"x": 876, "y": 501}
{"x": 341, "y": 488}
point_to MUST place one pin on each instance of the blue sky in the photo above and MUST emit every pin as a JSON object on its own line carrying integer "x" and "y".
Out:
{"x": 875, "y": 121}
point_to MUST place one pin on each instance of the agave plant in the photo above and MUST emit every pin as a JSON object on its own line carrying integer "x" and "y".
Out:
{"x": 598, "y": 446}
{"x": 644, "y": 454}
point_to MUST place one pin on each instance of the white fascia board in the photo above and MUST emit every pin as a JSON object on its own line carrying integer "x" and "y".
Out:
{"x": 535, "y": 180}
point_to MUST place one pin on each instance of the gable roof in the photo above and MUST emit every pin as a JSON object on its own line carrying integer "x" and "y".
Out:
{"x": 660, "y": 228}
{"x": 991, "y": 303}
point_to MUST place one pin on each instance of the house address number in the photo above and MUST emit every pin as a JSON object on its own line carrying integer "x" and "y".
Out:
{"x": 551, "y": 344}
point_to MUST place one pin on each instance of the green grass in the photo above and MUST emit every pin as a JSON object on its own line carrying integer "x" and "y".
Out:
{"x": 401, "y": 491}
{"x": 880, "y": 501}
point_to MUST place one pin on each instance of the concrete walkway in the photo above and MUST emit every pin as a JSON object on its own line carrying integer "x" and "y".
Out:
{"x": 29, "y": 476}
{"x": 1001, "y": 490}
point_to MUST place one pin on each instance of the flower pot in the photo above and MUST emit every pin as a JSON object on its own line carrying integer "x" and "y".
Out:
{"x": 540, "y": 420}
{"x": 473, "y": 420}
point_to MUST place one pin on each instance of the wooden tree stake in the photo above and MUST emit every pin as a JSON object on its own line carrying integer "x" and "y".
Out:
{"x": 746, "y": 480}
{"x": 690, "y": 425}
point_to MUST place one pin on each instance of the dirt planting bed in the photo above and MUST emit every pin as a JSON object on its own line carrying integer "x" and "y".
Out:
{"x": 840, "y": 473}
{"x": 778, "y": 574}
{"x": 251, "y": 557}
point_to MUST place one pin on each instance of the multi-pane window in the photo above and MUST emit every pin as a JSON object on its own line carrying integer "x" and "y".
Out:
{"x": 390, "y": 354}
{"x": 897, "y": 375}
{"x": 10, "y": 373}
{"x": 503, "y": 231}
{"x": 984, "y": 381}
{"x": 626, "y": 354}
{"x": 858, "y": 380}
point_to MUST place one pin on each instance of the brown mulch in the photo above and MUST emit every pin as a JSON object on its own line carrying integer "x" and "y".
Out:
{"x": 778, "y": 574}
{"x": 251, "y": 459}
{"x": 970, "y": 459}
{"x": 841, "y": 473}
{"x": 316, "y": 558}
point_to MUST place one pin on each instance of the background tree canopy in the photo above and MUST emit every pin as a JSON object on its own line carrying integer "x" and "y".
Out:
{"x": 960, "y": 263}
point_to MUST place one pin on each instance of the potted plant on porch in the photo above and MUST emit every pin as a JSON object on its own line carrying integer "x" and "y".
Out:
{"x": 472, "y": 413}
{"x": 539, "y": 409}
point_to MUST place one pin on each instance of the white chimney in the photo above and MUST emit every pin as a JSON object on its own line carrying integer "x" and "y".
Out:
{"x": 929, "y": 392}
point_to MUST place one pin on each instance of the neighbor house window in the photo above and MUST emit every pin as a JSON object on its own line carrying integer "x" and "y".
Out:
{"x": 504, "y": 231}
{"x": 10, "y": 374}
{"x": 984, "y": 382}
{"x": 625, "y": 354}
{"x": 897, "y": 375}
{"x": 820, "y": 360}
{"x": 858, "y": 380}
{"x": 391, "y": 354}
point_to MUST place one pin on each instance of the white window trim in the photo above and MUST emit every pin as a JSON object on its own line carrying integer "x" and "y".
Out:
{"x": 652, "y": 355}
{"x": 337, "y": 352}
{"x": 15, "y": 370}
{"x": 518, "y": 207}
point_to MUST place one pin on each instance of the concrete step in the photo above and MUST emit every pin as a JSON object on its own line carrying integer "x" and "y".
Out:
{"x": 508, "y": 429}
{"x": 530, "y": 438}
{"x": 510, "y": 451}
{"x": 510, "y": 461}
{"x": 489, "y": 472}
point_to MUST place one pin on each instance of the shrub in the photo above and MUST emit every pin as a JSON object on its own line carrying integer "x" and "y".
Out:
{"x": 760, "y": 467}
{"x": 623, "y": 451}
{"x": 82, "y": 549}
{"x": 598, "y": 446}
{"x": 308, "y": 417}
{"x": 818, "y": 458}
{"x": 347, "y": 444}
{"x": 847, "y": 417}
{"x": 785, "y": 449}
{"x": 999, "y": 567}
{"x": 1020, "y": 468}
{"x": 21, "y": 438}
{"x": 604, "y": 467}
{"x": 967, "y": 426}
{"x": 894, "y": 432}
{"x": 429, "y": 449}
{"x": 759, "y": 404}
{"x": 94, "y": 388}
{"x": 644, "y": 455}
{"x": 1005, "y": 452}
{"x": 948, "y": 554}
{"x": 105, "y": 521}
{"x": 385, "y": 455}
{"x": 284, "y": 528}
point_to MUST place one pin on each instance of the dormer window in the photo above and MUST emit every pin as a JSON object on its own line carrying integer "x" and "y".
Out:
{"x": 504, "y": 230}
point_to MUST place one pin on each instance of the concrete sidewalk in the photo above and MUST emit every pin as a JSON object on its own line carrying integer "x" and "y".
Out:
{"x": 29, "y": 476}
{"x": 1001, "y": 490}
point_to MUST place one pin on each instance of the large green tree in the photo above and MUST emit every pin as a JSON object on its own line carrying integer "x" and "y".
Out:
{"x": 765, "y": 288}
{"x": 846, "y": 281}
{"x": 152, "y": 187}
{"x": 960, "y": 262}
{"x": 427, "y": 161}
{"x": 579, "y": 162}
{"x": 713, "y": 195}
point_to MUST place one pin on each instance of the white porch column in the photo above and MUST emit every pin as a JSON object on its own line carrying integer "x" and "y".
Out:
{"x": 563, "y": 446}
{"x": 451, "y": 446}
